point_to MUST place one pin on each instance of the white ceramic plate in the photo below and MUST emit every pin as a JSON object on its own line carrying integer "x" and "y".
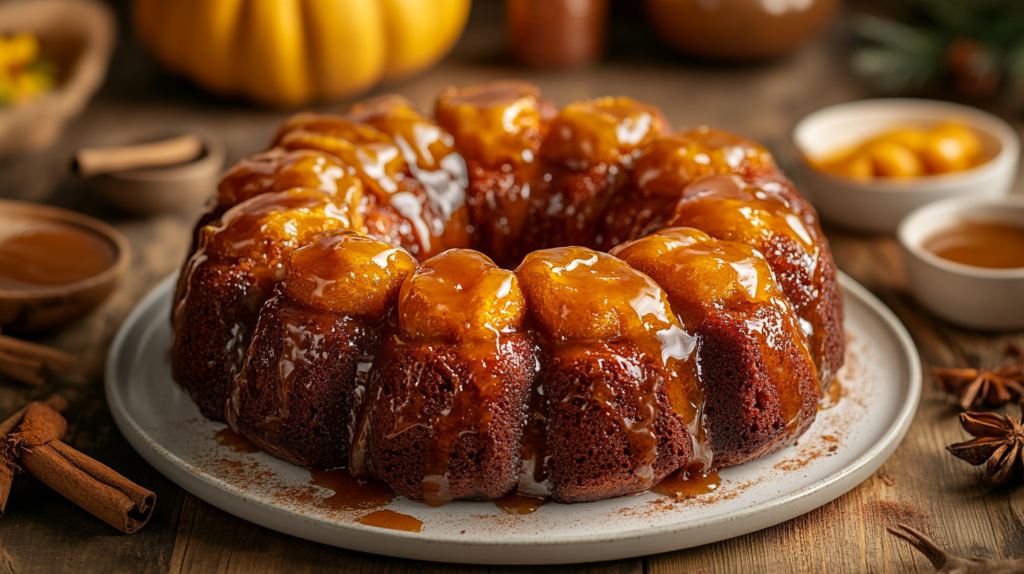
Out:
{"x": 882, "y": 387}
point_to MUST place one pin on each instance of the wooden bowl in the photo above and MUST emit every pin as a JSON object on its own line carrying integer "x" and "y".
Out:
{"x": 46, "y": 308}
{"x": 155, "y": 190}
{"x": 78, "y": 35}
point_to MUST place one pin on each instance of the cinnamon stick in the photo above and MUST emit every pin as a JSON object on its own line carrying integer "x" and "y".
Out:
{"x": 54, "y": 360}
{"x": 25, "y": 369}
{"x": 94, "y": 161}
{"x": 55, "y": 402}
{"x": 90, "y": 484}
{"x": 8, "y": 452}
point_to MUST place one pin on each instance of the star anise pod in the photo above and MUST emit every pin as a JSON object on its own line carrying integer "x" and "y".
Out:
{"x": 993, "y": 387}
{"x": 998, "y": 442}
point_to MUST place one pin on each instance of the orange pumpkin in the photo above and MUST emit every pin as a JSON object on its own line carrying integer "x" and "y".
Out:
{"x": 291, "y": 52}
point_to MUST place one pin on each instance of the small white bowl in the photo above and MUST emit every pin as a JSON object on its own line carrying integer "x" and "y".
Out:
{"x": 878, "y": 205}
{"x": 974, "y": 297}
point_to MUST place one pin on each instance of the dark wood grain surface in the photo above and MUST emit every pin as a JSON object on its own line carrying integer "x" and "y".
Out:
{"x": 926, "y": 488}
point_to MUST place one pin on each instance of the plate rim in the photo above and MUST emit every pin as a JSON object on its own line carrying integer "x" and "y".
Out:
{"x": 807, "y": 498}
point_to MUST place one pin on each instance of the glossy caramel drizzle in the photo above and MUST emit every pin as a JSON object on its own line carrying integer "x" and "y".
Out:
{"x": 701, "y": 273}
{"x": 407, "y": 162}
{"x": 458, "y": 297}
{"x": 727, "y": 207}
{"x": 608, "y": 130}
{"x": 234, "y": 441}
{"x": 352, "y": 493}
{"x": 688, "y": 482}
{"x": 392, "y": 520}
{"x": 268, "y": 227}
{"x": 674, "y": 160}
{"x": 535, "y": 455}
{"x": 340, "y": 283}
{"x": 498, "y": 127}
{"x": 429, "y": 152}
{"x": 279, "y": 170}
{"x": 580, "y": 301}
{"x": 515, "y": 503}
{"x": 832, "y": 395}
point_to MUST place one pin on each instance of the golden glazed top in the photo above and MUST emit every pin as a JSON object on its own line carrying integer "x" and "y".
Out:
{"x": 460, "y": 296}
{"x": 674, "y": 160}
{"x": 605, "y": 130}
{"x": 495, "y": 123}
{"x": 349, "y": 274}
{"x": 266, "y": 228}
{"x": 279, "y": 170}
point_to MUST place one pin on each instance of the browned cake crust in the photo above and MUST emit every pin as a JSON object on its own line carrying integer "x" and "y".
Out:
{"x": 495, "y": 202}
{"x": 213, "y": 326}
{"x": 568, "y": 207}
{"x": 744, "y": 391}
{"x": 830, "y": 336}
{"x": 450, "y": 420}
{"x": 594, "y": 398}
{"x": 297, "y": 383}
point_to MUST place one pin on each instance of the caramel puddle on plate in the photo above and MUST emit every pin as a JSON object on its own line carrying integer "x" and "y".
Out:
{"x": 688, "y": 482}
{"x": 393, "y": 520}
{"x": 352, "y": 493}
{"x": 832, "y": 395}
{"x": 515, "y": 503}
{"x": 234, "y": 441}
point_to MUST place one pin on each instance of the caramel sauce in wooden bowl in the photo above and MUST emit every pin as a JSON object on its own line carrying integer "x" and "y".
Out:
{"x": 55, "y": 266}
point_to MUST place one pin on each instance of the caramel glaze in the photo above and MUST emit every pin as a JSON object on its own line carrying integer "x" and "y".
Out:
{"x": 766, "y": 217}
{"x": 444, "y": 406}
{"x": 688, "y": 482}
{"x": 609, "y": 344}
{"x": 667, "y": 165}
{"x": 279, "y": 170}
{"x": 294, "y": 397}
{"x": 392, "y": 520}
{"x": 415, "y": 180}
{"x": 352, "y": 493}
{"x": 498, "y": 127}
{"x": 515, "y": 503}
{"x": 242, "y": 256}
{"x": 585, "y": 158}
{"x": 832, "y": 396}
{"x": 726, "y": 294}
{"x": 234, "y": 441}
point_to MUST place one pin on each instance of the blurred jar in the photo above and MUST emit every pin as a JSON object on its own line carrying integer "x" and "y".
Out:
{"x": 739, "y": 29}
{"x": 556, "y": 34}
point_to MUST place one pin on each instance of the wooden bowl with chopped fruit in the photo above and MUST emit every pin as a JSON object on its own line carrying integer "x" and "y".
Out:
{"x": 53, "y": 57}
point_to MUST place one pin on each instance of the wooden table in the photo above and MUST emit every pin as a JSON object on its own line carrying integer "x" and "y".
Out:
{"x": 929, "y": 489}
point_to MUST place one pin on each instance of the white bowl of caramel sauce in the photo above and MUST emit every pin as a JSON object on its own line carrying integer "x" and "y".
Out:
{"x": 964, "y": 259}
{"x": 55, "y": 266}
{"x": 876, "y": 202}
